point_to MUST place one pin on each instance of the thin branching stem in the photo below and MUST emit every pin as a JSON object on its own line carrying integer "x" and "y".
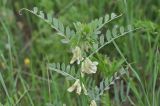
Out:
{"x": 108, "y": 22}
{"x": 62, "y": 73}
{"x": 59, "y": 32}
{"x": 111, "y": 41}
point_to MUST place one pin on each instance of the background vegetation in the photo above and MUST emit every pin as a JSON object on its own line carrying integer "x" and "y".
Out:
{"x": 27, "y": 44}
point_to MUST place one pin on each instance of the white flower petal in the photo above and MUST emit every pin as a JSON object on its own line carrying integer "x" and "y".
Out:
{"x": 74, "y": 86}
{"x": 72, "y": 60}
{"x": 77, "y": 55}
{"x": 77, "y": 87}
{"x": 88, "y": 66}
{"x": 95, "y": 63}
{"x": 71, "y": 89}
{"x": 78, "y": 91}
{"x": 93, "y": 103}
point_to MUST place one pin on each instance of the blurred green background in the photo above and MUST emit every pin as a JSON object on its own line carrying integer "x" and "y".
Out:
{"x": 25, "y": 37}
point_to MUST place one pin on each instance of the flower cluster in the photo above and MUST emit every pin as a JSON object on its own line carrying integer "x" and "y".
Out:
{"x": 87, "y": 67}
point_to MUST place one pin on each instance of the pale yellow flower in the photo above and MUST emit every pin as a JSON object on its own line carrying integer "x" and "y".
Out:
{"x": 93, "y": 103}
{"x": 26, "y": 61}
{"x": 88, "y": 66}
{"x": 77, "y": 86}
{"x": 77, "y": 55}
{"x": 64, "y": 104}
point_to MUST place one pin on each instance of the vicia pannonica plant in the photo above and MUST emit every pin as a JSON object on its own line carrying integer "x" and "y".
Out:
{"x": 85, "y": 40}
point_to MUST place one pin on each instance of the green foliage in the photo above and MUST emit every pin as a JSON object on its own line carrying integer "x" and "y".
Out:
{"x": 84, "y": 36}
{"x": 105, "y": 85}
{"x": 65, "y": 70}
{"x": 26, "y": 37}
{"x": 54, "y": 23}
